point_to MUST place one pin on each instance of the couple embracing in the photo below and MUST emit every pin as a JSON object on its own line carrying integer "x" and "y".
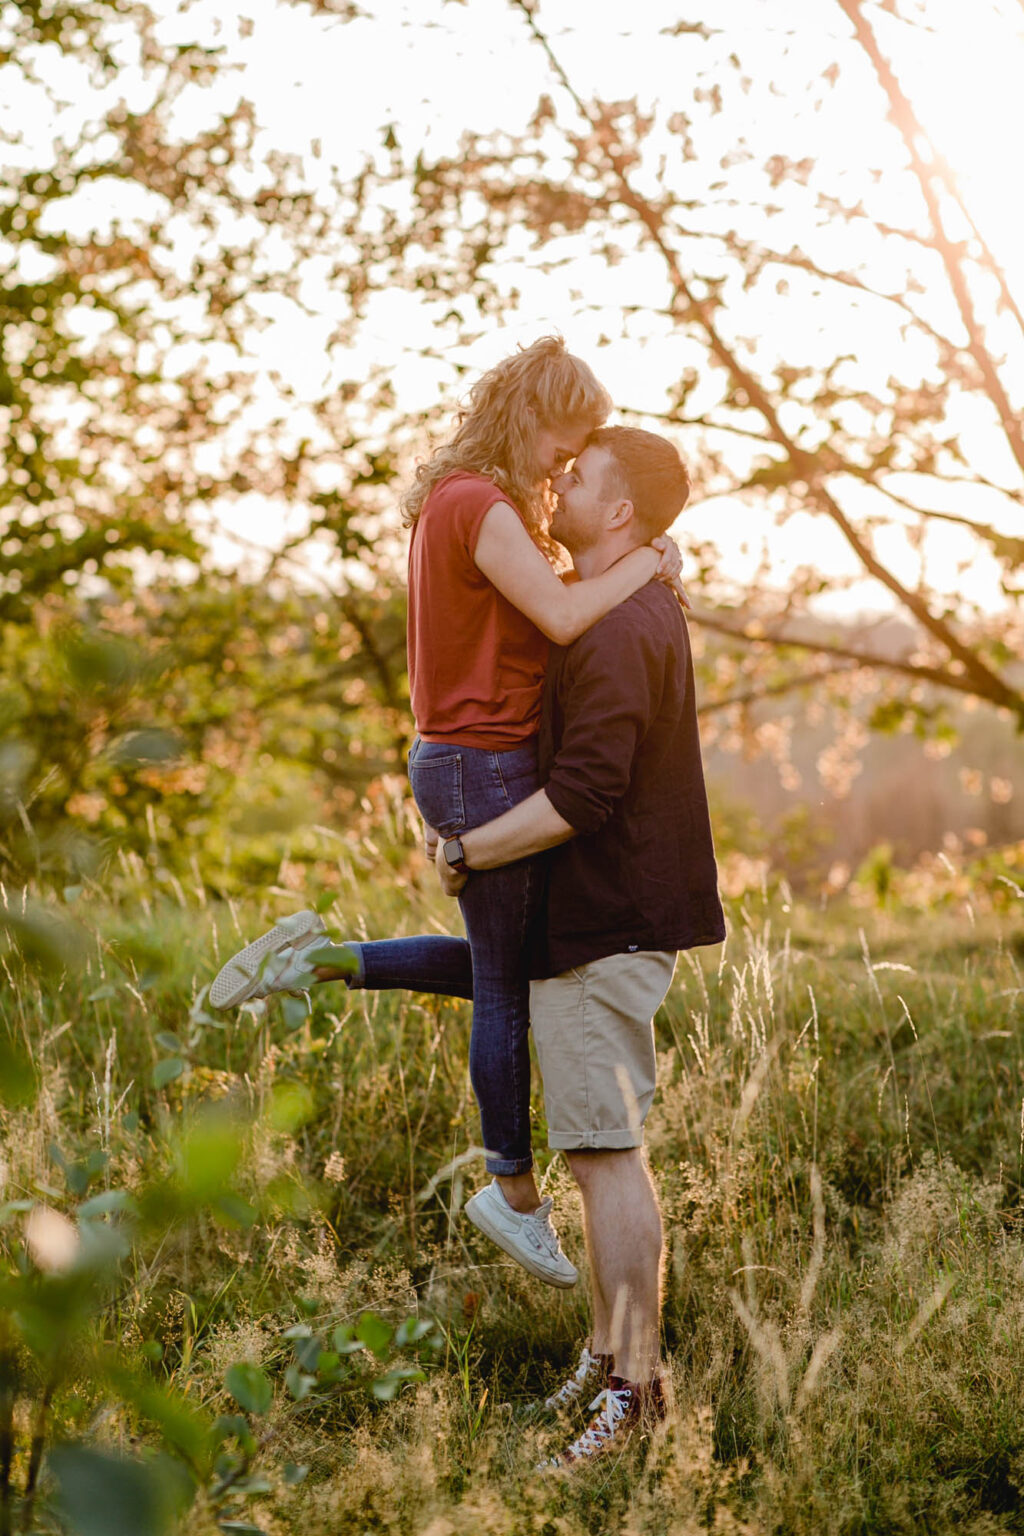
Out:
{"x": 557, "y": 769}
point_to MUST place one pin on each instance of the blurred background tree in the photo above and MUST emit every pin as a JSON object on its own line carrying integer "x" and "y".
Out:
{"x": 141, "y": 243}
{"x": 844, "y": 354}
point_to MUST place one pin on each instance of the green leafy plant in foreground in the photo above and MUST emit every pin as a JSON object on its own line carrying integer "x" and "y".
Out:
{"x": 63, "y": 1273}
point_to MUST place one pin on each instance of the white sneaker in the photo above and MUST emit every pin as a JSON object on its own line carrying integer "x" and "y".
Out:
{"x": 276, "y": 962}
{"x": 529, "y": 1239}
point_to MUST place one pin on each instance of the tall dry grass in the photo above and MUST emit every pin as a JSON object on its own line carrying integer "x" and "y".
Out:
{"x": 838, "y": 1144}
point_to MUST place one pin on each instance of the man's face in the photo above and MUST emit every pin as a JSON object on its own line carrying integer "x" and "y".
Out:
{"x": 582, "y": 501}
{"x": 555, "y": 446}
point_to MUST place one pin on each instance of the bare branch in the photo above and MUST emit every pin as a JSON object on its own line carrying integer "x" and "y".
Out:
{"x": 902, "y": 115}
{"x": 978, "y": 677}
{"x": 773, "y": 690}
{"x": 872, "y": 660}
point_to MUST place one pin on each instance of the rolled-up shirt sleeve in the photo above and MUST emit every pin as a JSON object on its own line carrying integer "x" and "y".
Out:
{"x": 612, "y": 691}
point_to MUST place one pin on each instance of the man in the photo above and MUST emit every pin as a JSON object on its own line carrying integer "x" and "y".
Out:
{"x": 631, "y": 880}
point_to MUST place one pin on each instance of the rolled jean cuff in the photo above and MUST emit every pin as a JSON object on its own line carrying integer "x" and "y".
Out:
{"x": 507, "y": 1167}
{"x": 359, "y": 978}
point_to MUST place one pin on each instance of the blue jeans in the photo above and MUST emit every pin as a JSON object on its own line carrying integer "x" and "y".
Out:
{"x": 456, "y": 788}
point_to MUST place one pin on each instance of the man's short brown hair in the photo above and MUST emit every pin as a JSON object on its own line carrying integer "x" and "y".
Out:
{"x": 649, "y": 473}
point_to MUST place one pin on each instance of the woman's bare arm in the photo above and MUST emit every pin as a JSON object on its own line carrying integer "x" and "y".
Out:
{"x": 510, "y": 559}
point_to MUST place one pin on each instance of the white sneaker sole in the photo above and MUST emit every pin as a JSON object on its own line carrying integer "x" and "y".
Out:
{"x": 533, "y": 1266}
{"x": 239, "y": 979}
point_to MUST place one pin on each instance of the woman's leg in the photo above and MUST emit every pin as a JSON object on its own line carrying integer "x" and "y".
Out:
{"x": 497, "y": 907}
{"x": 455, "y": 788}
{"x": 426, "y": 962}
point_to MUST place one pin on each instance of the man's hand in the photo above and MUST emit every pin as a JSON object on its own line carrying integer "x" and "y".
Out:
{"x": 451, "y": 880}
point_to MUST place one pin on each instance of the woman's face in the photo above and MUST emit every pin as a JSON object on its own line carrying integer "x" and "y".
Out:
{"x": 554, "y": 446}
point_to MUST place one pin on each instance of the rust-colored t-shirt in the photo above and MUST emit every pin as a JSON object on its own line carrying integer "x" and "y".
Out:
{"x": 476, "y": 664}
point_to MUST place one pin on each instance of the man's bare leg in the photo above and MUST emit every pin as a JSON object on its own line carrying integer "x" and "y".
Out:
{"x": 622, "y": 1226}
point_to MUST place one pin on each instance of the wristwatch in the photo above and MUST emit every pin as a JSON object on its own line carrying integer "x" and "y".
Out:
{"x": 455, "y": 855}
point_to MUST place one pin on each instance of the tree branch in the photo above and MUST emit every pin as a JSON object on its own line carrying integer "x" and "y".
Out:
{"x": 902, "y": 116}
{"x": 918, "y": 671}
{"x": 982, "y": 679}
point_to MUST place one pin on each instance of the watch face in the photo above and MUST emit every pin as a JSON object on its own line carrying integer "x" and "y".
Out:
{"x": 453, "y": 850}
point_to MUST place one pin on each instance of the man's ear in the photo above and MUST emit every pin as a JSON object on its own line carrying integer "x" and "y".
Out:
{"x": 622, "y": 515}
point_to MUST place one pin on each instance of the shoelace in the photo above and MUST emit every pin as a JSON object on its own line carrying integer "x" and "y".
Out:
{"x": 611, "y": 1408}
{"x": 571, "y": 1389}
{"x": 540, "y": 1226}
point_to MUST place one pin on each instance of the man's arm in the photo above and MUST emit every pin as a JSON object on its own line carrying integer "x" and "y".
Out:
{"x": 529, "y": 827}
{"x": 612, "y": 695}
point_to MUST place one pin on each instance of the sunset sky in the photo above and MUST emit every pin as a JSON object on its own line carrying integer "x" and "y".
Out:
{"x": 433, "y": 68}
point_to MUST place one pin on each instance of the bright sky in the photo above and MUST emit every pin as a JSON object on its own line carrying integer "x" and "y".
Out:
{"x": 434, "y": 67}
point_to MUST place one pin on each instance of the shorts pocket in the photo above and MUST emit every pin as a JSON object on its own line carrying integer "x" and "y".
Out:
{"x": 437, "y": 789}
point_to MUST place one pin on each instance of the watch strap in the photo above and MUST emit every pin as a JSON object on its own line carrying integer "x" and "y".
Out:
{"x": 455, "y": 855}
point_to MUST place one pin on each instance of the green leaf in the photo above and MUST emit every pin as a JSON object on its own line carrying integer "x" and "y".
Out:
{"x": 98, "y": 1493}
{"x": 307, "y": 1352}
{"x": 411, "y": 1331}
{"x": 373, "y": 1332}
{"x": 291, "y": 1105}
{"x": 48, "y": 941}
{"x": 13, "y": 1208}
{"x": 168, "y": 1042}
{"x": 103, "y": 1204}
{"x": 295, "y": 1011}
{"x": 386, "y": 1387}
{"x": 299, "y": 1382}
{"x": 167, "y": 1070}
{"x": 231, "y": 1425}
{"x": 235, "y": 1210}
{"x": 294, "y": 1474}
{"x": 19, "y": 1082}
{"x": 344, "y": 1339}
{"x": 146, "y": 746}
{"x": 249, "y": 1386}
{"x": 78, "y": 1178}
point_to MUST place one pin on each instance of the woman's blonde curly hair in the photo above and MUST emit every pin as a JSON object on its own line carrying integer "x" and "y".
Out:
{"x": 539, "y": 386}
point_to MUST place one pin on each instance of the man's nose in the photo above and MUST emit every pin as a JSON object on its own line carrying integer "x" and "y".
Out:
{"x": 557, "y": 482}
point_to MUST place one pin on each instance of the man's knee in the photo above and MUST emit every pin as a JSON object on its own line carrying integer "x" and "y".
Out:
{"x": 589, "y": 1166}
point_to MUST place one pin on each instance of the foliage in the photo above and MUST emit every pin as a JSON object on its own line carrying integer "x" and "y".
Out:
{"x": 153, "y": 239}
{"x": 136, "y": 271}
{"x": 243, "y": 1292}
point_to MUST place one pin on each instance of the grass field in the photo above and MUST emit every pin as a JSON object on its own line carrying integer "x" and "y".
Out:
{"x": 270, "y": 1317}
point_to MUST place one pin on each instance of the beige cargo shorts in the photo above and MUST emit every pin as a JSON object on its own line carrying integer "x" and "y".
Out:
{"x": 594, "y": 1033}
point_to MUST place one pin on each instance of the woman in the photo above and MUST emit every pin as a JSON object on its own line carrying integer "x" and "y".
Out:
{"x": 484, "y": 602}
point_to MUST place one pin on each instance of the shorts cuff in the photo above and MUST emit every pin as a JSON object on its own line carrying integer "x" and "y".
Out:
{"x": 595, "y": 1141}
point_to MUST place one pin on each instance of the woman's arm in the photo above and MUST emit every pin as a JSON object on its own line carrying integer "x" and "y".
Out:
{"x": 510, "y": 559}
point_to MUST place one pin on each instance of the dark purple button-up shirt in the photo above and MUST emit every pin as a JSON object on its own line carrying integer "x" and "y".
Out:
{"x": 620, "y": 761}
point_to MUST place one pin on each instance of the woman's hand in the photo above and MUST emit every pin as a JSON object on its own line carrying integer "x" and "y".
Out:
{"x": 669, "y": 566}
{"x": 429, "y": 842}
{"x": 671, "y": 562}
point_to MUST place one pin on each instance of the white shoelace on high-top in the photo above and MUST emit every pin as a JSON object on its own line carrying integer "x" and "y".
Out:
{"x": 610, "y": 1407}
{"x": 573, "y": 1388}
